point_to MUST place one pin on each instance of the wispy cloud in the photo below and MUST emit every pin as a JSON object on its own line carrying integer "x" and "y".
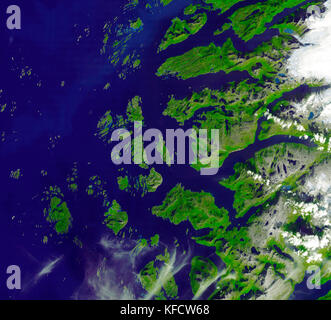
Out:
{"x": 48, "y": 268}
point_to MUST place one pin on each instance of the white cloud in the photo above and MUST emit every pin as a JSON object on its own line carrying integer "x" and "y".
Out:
{"x": 48, "y": 268}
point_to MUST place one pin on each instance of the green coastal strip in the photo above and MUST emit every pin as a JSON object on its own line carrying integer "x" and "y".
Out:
{"x": 261, "y": 64}
{"x": 224, "y": 5}
{"x": 260, "y": 178}
{"x": 249, "y": 21}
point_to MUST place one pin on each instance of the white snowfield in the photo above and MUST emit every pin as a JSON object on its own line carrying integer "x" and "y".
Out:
{"x": 313, "y": 61}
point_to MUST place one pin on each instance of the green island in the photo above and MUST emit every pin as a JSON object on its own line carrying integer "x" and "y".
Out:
{"x": 15, "y": 174}
{"x": 123, "y": 183}
{"x": 191, "y": 9}
{"x": 131, "y": 61}
{"x": 137, "y": 24}
{"x": 165, "y": 2}
{"x": 142, "y": 184}
{"x": 115, "y": 218}
{"x": 59, "y": 214}
{"x": 97, "y": 188}
{"x": 104, "y": 126}
{"x": 153, "y": 180}
{"x": 197, "y": 207}
{"x": 155, "y": 240}
{"x": 157, "y": 279}
{"x": 72, "y": 179}
{"x": 180, "y": 30}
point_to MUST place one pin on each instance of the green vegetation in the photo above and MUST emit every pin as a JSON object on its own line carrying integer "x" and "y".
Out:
{"x": 109, "y": 122}
{"x": 157, "y": 278}
{"x": 104, "y": 125}
{"x": 130, "y": 63}
{"x": 155, "y": 240}
{"x": 251, "y": 20}
{"x": 15, "y": 174}
{"x": 202, "y": 270}
{"x": 255, "y": 255}
{"x": 134, "y": 111}
{"x": 123, "y": 183}
{"x": 115, "y": 46}
{"x": 271, "y": 128}
{"x": 225, "y": 27}
{"x": 142, "y": 184}
{"x": 59, "y": 214}
{"x": 234, "y": 111}
{"x": 191, "y": 9}
{"x": 136, "y": 63}
{"x": 171, "y": 288}
{"x": 236, "y": 133}
{"x": 222, "y": 4}
{"x": 153, "y": 180}
{"x": 165, "y": 2}
{"x": 237, "y": 108}
{"x": 98, "y": 189}
{"x": 148, "y": 276}
{"x": 291, "y": 24}
{"x": 184, "y": 109}
{"x": 137, "y": 24}
{"x": 72, "y": 179}
{"x": 107, "y": 86}
{"x": 180, "y": 30}
{"x": 232, "y": 245}
{"x": 260, "y": 178}
{"x": 227, "y": 104}
{"x": 260, "y": 64}
{"x": 326, "y": 297}
{"x": 116, "y": 219}
{"x": 199, "y": 60}
{"x": 199, "y": 208}
{"x": 141, "y": 245}
{"x": 290, "y": 27}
